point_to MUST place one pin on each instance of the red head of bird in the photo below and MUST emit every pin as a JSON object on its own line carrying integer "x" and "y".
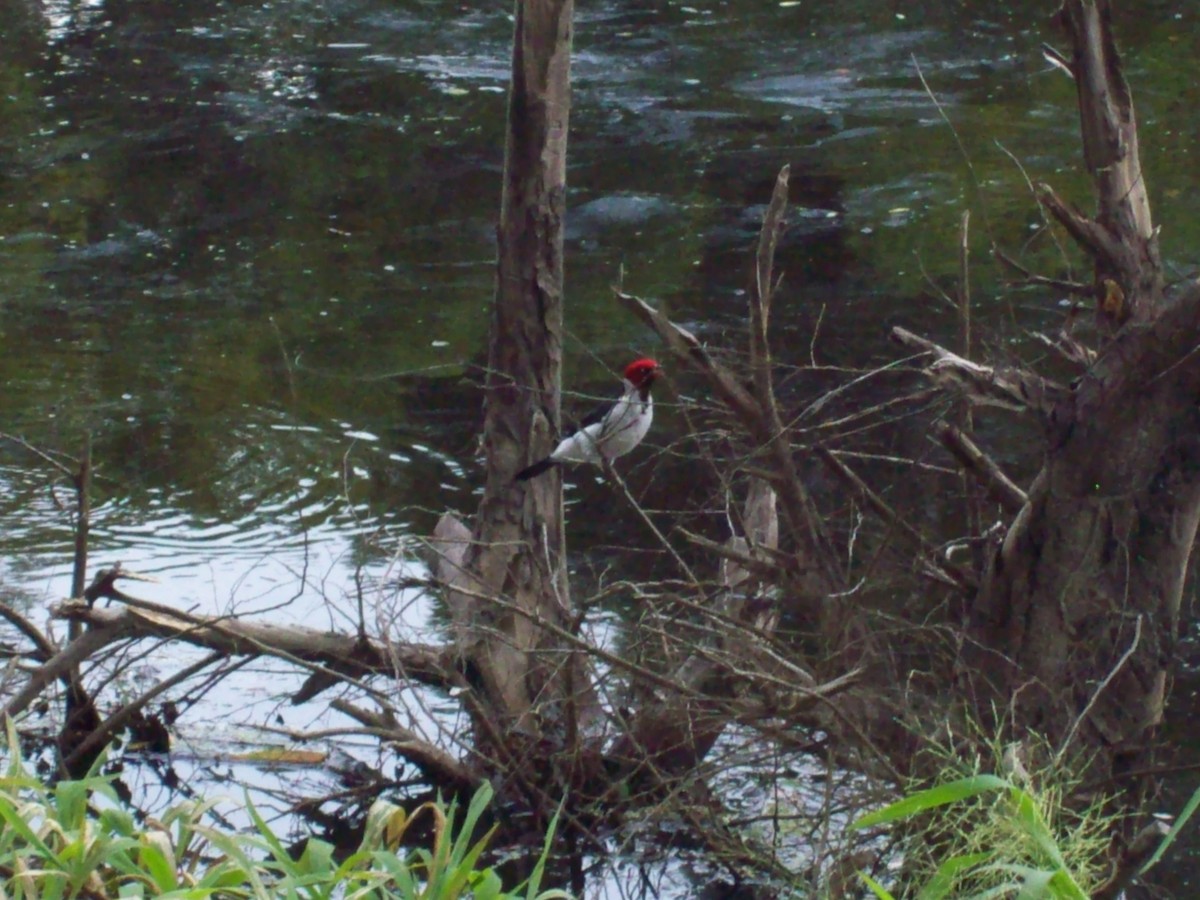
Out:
{"x": 641, "y": 372}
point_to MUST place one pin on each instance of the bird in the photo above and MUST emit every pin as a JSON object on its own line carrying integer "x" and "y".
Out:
{"x": 611, "y": 431}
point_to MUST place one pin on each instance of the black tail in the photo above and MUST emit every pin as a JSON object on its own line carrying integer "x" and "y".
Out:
{"x": 536, "y": 469}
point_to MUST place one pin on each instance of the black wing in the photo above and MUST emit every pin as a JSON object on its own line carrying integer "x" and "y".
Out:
{"x": 594, "y": 415}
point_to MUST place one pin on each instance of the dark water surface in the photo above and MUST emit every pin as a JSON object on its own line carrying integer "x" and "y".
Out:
{"x": 248, "y": 246}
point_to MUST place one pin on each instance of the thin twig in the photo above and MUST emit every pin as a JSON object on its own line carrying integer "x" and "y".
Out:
{"x": 950, "y": 572}
{"x": 1137, "y": 637}
{"x": 1062, "y": 284}
{"x": 114, "y": 723}
{"x": 43, "y": 455}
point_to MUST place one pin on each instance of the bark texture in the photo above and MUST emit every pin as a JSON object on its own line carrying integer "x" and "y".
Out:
{"x": 1080, "y": 612}
{"x": 1074, "y": 629}
{"x": 508, "y": 578}
{"x": 1121, "y": 237}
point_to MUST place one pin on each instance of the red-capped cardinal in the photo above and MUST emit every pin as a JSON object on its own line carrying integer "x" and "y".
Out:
{"x": 610, "y": 431}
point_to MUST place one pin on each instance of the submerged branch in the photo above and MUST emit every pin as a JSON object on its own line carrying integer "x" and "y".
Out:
{"x": 435, "y": 763}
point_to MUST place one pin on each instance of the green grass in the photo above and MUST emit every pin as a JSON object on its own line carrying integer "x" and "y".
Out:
{"x": 74, "y": 840}
{"x": 999, "y": 842}
{"x": 999, "y": 826}
{"x": 982, "y": 836}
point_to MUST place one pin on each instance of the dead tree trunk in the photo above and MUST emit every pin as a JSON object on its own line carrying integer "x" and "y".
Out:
{"x": 509, "y": 596}
{"x": 1074, "y": 629}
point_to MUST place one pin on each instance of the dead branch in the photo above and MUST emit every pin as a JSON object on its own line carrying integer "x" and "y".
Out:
{"x": 762, "y": 290}
{"x": 44, "y": 648}
{"x": 425, "y": 664}
{"x": 815, "y": 568}
{"x": 1073, "y": 351}
{"x": 104, "y": 585}
{"x": 805, "y": 521}
{"x": 670, "y": 734}
{"x": 44, "y": 455}
{"x": 999, "y": 486}
{"x": 440, "y": 767}
{"x": 61, "y": 664}
{"x": 943, "y": 569}
{"x": 1121, "y": 239}
{"x": 1029, "y": 277}
{"x": 673, "y": 686}
{"x": 1106, "y": 111}
{"x": 686, "y": 346}
{"x": 1088, "y": 234}
{"x": 1008, "y": 388}
{"x": 739, "y": 554}
{"x": 98, "y": 737}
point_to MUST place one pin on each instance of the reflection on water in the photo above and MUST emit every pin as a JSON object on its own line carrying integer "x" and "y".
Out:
{"x": 248, "y": 246}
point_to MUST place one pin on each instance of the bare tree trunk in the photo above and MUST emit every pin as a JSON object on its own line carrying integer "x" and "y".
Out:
{"x": 509, "y": 578}
{"x": 1080, "y": 611}
{"x": 1075, "y": 626}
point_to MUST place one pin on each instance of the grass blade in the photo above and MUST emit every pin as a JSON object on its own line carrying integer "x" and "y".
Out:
{"x": 922, "y": 801}
{"x": 876, "y": 888}
{"x": 939, "y": 886}
{"x": 1169, "y": 838}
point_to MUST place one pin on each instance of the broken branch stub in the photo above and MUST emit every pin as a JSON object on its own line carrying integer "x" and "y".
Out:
{"x": 1121, "y": 239}
{"x": 1007, "y": 387}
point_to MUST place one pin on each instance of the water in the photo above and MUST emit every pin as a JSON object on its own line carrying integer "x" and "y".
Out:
{"x": 248, "y": 246}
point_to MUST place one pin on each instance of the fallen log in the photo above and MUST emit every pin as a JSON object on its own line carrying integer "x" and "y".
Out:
{"x": 342, "y": 655}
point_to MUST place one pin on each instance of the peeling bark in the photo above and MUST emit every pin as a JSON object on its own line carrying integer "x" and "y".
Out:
{"x": 525, "y": 679}
{"x": 1074, "y": 630}
{"x": 1121, "y": 237}
{"x": 1103, "y": 543}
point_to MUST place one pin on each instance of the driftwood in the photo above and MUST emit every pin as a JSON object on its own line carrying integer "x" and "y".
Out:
{"x": 337, "y": 655}
{"x": 425, "y": 664}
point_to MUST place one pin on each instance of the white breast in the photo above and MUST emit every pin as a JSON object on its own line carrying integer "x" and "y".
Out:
{"x": 613, "y": 436}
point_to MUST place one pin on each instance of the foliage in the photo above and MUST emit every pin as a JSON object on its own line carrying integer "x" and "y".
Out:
{"x": 987, "y": 836}
{"x": 74, "y": 840}
{"x": 1177, "y": 827}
